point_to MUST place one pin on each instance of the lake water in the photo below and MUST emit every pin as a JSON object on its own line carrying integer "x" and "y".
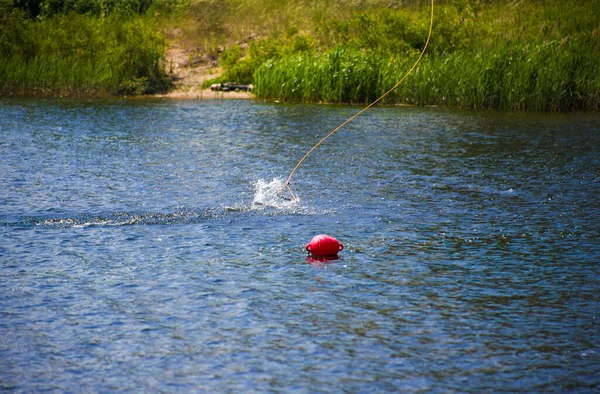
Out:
{"x": 133, "y": 255}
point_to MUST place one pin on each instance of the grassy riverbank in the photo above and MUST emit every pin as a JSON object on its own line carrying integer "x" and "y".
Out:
{"x": 541, "y": 56}
{"x": 505, "y": 54}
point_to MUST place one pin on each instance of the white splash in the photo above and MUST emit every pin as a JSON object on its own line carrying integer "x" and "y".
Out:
{"x": 266, "y": 194}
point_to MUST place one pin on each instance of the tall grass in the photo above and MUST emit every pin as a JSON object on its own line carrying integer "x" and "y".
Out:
{"x": 550, "y": 77}
{"x": 77, "y": 54}
{"x": 541, "y": 56}
{"x": 546, "y": 78}
{"x": 340, "y": 75}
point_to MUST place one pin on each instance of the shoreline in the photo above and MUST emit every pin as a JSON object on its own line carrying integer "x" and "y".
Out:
{"x": 202, "y": 94}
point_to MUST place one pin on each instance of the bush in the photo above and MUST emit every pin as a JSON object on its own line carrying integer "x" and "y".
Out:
{"x": 76, "y": 54}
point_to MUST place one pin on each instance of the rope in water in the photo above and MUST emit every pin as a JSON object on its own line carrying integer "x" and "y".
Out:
{"x": 287, "y": 182}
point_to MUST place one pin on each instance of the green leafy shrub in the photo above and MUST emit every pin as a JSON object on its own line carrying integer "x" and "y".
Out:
{"x": 76, "y": 54}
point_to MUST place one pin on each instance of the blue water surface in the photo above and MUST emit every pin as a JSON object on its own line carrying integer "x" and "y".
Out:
{"x": 132, "y": 256}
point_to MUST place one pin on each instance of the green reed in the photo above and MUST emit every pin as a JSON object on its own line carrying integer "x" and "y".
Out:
{"x": 541, "y": 56}
{"x": 545, "y": 78}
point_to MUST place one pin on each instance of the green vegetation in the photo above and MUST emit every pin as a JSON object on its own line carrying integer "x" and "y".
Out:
{"x": 508, "y": 54}
{"x": 542, "y": 56}
{"x": 46, "y": 50}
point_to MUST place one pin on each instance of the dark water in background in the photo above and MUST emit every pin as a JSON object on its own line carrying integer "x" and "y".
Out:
{"x": 132, "y": 258}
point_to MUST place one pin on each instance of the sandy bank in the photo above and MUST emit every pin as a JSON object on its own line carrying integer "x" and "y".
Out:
{"x": 189, "y": 72}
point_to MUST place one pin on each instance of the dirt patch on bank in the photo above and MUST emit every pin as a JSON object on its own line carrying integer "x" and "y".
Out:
{"x": 189, "y": 70}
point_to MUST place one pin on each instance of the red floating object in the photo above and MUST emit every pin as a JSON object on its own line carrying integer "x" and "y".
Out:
{"x": 324, "y": 246}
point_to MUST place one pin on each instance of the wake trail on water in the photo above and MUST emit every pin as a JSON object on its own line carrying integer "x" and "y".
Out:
{"x": 265, "y": 202}
{"x": 266, "y": 195}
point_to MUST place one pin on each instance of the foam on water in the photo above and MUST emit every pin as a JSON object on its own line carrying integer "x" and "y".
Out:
{"x": 130, "y": 219}
{"x": 266, "y": 195}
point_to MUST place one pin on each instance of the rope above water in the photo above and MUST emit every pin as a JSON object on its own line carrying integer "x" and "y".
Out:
{"x": 286, "y": 185}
